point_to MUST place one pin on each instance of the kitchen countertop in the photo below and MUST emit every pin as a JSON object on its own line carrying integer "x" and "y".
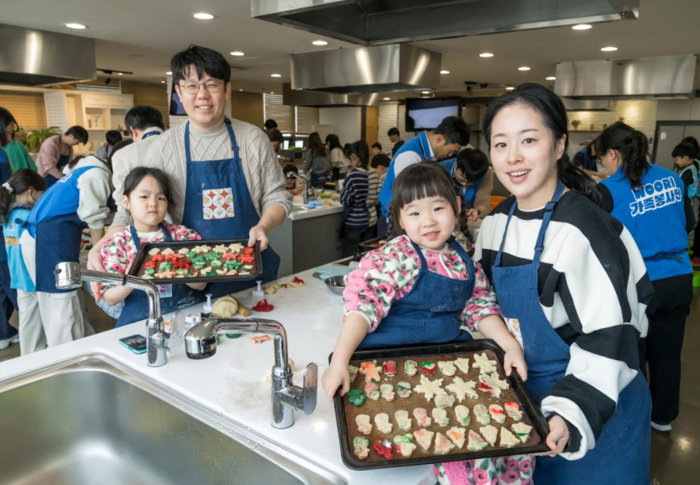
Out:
{"x": 299, "y": 212}
{"x": 230, "y": 382}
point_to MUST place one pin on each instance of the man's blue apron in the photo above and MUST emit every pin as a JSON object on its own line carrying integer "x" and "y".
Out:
{"x": 172, "y": 297}
{"x": 57, "y": 229}
{"x": 429, "y": 313}
{"x": 218, "y": 206}
{"x": 62, "y": 162}
{"x": 468, "y": 192}
{"x": 621, "y": 453}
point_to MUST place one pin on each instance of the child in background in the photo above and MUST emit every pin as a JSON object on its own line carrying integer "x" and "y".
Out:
{"x": 471, "y": 175}
{"x": 359, "y": 198}
{"x": 147, "y": 194}
{"x": 17, "y": 197}
{"x": 420, "y": 287}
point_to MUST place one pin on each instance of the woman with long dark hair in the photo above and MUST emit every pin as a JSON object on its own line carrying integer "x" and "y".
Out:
{"x": 8, "y": 297}
{"x": 316, "y": 164}
{"x": 651, "y": 202}
{"x": 340, "y": 163}
{"x": 572, "y": 287}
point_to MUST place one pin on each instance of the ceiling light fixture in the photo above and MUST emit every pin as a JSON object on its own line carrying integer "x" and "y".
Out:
{"x": 240, "y": 89}
{"x": 203, "y": 16}
{"x": 425, "y": 92}
{"x": 275, "y": 75}
{"x": 523, "y": 68}
{"x": 551, "y": 78}
{"x": 609, "y": 49}
{"x": 237, "y": 53}
{"x": 582, "y": 27}
{"x": 72, "y": 25}
{"x": 120, "y": 74}
{"x": 485, "y": 54}
{"x": 320, "y": 42}
{"x": 444, "y": 72}
{"x": 387, "y": 99}
{"x": 162, "y": 82}
{"x": 169, "y": 73}
{"x": 510, "y": 88}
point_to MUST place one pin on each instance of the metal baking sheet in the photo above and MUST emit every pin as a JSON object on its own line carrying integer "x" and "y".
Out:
{"x": 371, "y": 244}
{"x": 142, "y": 257}
{"x": 345, "y": 412}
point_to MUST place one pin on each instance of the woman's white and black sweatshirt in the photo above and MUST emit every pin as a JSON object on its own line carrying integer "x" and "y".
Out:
{"x": 593, "y": 289}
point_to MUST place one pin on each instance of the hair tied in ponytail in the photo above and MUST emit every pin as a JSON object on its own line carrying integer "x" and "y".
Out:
{"x": 8, "y": 187}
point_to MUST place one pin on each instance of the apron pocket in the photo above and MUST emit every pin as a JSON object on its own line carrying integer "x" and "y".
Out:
{"x": 218, "y": 203}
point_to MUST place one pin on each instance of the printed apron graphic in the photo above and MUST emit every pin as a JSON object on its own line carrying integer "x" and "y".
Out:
{"x": 218, "y": 203}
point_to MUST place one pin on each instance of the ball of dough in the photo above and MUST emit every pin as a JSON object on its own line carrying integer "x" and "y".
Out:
{"x": 225, "y": 307}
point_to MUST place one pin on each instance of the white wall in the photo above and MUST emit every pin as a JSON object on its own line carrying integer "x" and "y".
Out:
{"x": 347, "y": 122}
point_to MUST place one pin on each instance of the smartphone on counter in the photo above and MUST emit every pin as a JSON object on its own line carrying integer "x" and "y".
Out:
{"x": 135, "y": 343}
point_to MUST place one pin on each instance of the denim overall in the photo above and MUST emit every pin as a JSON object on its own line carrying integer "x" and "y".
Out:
{"x": 621, "y": 453}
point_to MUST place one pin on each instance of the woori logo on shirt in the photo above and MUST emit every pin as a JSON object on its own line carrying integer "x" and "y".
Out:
{"x": 656, "y": 195}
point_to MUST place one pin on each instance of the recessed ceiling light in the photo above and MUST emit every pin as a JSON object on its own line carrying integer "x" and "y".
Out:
{"x": 240, "y": 89}
{"x": 276, "y": 75}
{"x": 169, "y": 73}
{"x": 444, "y": 72}
{"x": 203, "y": 16}
{"x": 510, "y": 88}
{"x": 387, "y": 99}
{"x": 485, "y": 54}
{"x": 72, "y": 25}
{"x": 120, "y": 74}
{"x": 162, "y": 82}
{"x": 425, "y": 92}
{"x": 523, "y": 68}
{"x": 609, "y": 49}
{"x": 320, "y": 42}
{"x": 551, "y": 78}
{"x": 272, "y": 92}
{"x": 582, "y": 27}
{"x": 237, "y": 53}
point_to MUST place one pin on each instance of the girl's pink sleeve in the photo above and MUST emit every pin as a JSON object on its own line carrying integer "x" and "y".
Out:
{"x": 482, "y": 302}
{"x": 384, "y": 276}
{"x": 182, "y": 233}
{"x": 116, "y": 256}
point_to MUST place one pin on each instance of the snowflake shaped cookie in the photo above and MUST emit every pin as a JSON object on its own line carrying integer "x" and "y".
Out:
{"x": 460, "y": 388}
{"x": 482, "y": 361}
{"x": 429, "y": 388}
{"x": 491, "y": 383}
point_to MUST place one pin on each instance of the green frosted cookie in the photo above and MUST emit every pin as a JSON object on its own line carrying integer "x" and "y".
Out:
{"x": 357, "y": 397}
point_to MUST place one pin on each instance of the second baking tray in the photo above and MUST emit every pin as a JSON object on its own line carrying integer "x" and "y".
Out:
{"x": 142, "y": 257}
{"x": 449, "y": 351}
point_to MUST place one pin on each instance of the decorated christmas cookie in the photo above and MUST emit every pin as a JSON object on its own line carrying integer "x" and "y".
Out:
{"x": 424, "y": 438}
{"x": 482, "y": 361}
{"x": 457, "y": 435}
{"x": 444, "y": 401}
{"x": 384, "y": 448}
{"x": 476, "y": 442}
{"x": 508, "y": 439}
{"x": 440, "y": 417}
{"x": 356, "y": 397}
{"x": 372, "y": 391}
{"x": 462, "y": 364}
{"x": 389, "y": 368}
{"x": 447, "y": 368}
{"x": 370, "y": 371}
{"x": 443, "y": 445}
{"x": 428, "y": 367}
{"x": 430, "y": 388}
{"x": 513, "y": 411}
{"x": 383, "y": 424}
{"x": 403, "y": 389}
{"x": 492, "y": 383}
{"x": 522, "y": 431}
{"x": 497, "y": 413}
{"x": 402, "y": 419}
{"x": 404, "y": 445}
{"x": 482, "y": 414}
{"x": 462, "y": 414}
{"x": 422, "y": 418}
{"x": 353, "y": 372}
{"x": 410, "y": 367}
{"x": 461, "y": 388}
{"x": 363, "y": 424}
{"x": 387, "y": 391}
{"x": 361, "y": 447}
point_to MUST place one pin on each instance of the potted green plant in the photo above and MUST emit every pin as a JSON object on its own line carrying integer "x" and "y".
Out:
{"x": 36, "y": 137}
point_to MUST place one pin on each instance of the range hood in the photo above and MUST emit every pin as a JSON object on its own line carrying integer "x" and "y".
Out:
{"x": 32, "y": 57}
{"x": 397, "y": 67}
{"x": 646, "y": 78}
{"x": 586, "y": 104}
{"x": 377, "y": 22}
{"x": 319, "y": 99}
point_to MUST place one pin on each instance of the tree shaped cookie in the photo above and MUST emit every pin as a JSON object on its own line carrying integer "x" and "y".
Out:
{"x": 429, "y": 388}
{"x": 462, "y": 364}
{"x": 482, "y": 361}
{"x": 460, "y": 388}
{"x": 491, "y": 383}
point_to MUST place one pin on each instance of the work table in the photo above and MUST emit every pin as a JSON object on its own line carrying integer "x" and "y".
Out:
{"x": 230, "y": 383}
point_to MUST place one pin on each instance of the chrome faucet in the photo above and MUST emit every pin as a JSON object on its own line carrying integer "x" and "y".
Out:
{"x": 69, "y": 275}
{"x": 200, "y": 343}
{"x": 307, "y": 187}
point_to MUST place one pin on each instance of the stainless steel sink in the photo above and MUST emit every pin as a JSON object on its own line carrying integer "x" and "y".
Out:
{"x": 92, "y": 421}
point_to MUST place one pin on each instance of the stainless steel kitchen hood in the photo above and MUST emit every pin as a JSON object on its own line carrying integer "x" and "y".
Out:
{"x": 586, "y": 104}
{"x": 646, "y": 78}
{"x": 36, "y": 57}
{"x": 319, "y": 99}
{"x": 397, "y": 67}
{"x": 377, "y": 22}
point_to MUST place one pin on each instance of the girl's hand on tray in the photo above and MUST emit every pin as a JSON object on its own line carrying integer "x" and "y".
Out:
{"x": 514, "y": 358}
{"x": 336, "y": 376}
{"x": 558, "y": 435}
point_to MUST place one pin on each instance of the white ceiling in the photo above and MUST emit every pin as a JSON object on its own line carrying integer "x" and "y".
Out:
{"x": 141, "y": 36}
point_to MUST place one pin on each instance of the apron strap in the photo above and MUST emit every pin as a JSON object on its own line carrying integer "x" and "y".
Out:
{"x": 137, "y": 240}
{"x": 231, "y": 135}
{"x": 421, "y": 257}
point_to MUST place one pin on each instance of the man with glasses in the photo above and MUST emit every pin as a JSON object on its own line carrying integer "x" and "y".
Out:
{"x": 224, "y": 170}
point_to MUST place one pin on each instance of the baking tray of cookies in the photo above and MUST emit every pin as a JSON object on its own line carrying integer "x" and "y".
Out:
{"x": 372, "y": 244}
{"x": 414, "y": 437}
{"x": 212, "y": 261}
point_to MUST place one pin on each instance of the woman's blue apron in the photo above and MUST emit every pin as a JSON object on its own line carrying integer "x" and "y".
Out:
{"x": 621, "y": 453}
{"x": 218, "y": 206}
{"x": 429, "y": 313}
{"x": 62, "y": 162}
{"x": 172, "y": 297}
